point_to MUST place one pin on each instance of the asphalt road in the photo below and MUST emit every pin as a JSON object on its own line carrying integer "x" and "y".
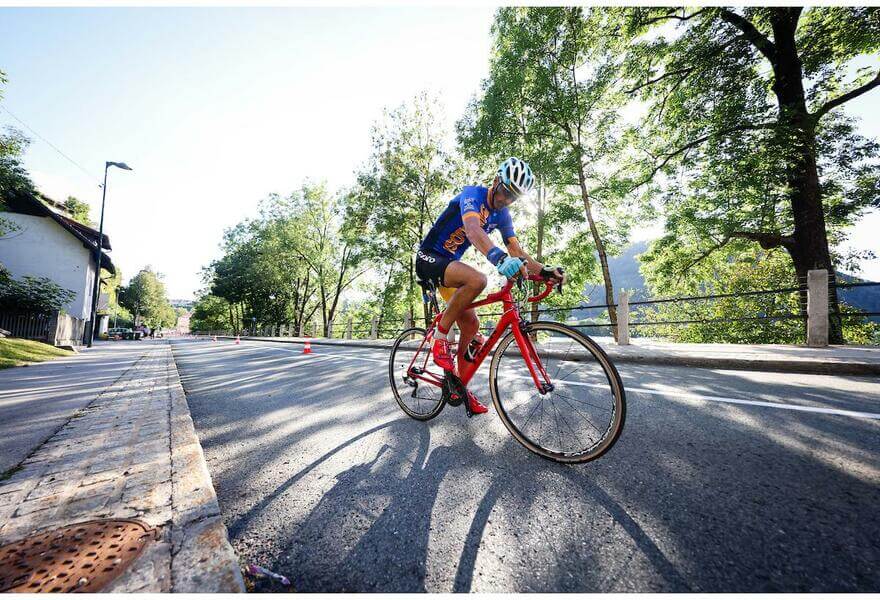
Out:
{"x": 723, "y": 481}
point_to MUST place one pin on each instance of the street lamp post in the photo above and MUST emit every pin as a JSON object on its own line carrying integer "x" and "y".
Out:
{"x": 99, "y": 252}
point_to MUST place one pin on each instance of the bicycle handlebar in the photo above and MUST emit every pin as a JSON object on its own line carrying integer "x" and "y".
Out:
{"x": 549, "y": 284}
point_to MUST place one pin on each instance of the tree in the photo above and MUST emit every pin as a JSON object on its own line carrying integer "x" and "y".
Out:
{"x": 744, "y": 133}
{"x": 210, "y": 313}
{"x": 552, "y": 92}
{"x": 145, "y": 297}
{"x": 410, "y": 174}
{"x": 31, "y": 294}
{"x": 79, "y": 211}
{"x": 330, "y": 247}
{"x": 294, "y": 259}
{"x": 13, "y": 177}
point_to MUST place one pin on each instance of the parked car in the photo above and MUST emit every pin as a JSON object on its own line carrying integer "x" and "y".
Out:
{"x": 120, "y": 332}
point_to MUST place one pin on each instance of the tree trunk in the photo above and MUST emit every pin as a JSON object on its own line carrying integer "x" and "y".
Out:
{"x": 409, "y": 296}
{"x": 600, "y": 249}
{"x": 539, "y": 245}
{"x": 810, "y": 248}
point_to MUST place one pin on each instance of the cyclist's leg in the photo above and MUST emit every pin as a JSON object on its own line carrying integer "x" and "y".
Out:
{"x": 470, "y": 284}
{"x": 468, "y": 325}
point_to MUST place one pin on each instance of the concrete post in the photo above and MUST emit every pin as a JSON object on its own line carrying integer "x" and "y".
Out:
{"x": 374, "y": 329}
{"x": 348, "y": 329}
{"x": 623, "y": 319}
{"x": 817, "y": 308}
{"x": 54, "y": 323}
{"x": 407, "y": 323}
{"x": 330, "y": 329}
{"x": 314, "y": 329}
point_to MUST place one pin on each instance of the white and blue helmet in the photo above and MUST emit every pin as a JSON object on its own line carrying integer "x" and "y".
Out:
{"x": 516, "y": 175}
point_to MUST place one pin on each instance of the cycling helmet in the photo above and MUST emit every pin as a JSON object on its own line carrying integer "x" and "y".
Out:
{"x": 516, "y": 175}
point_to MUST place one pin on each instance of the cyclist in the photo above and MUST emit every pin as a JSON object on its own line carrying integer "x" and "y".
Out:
{"x": 468, "y": 219}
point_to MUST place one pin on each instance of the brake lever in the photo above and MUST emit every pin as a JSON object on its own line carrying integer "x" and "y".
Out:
{"x": 559, "y": 285}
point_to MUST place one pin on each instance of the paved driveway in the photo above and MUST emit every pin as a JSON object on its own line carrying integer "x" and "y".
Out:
{"x": 35, "y": 401}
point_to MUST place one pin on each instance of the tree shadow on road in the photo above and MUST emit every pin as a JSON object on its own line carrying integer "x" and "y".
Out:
{"x": 375, "y": 527}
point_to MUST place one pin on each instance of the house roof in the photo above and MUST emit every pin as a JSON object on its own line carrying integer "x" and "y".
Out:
{"x": 23, "y": 202}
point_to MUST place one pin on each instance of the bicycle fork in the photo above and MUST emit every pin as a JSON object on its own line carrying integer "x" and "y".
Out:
{"x": 533, "y": 361}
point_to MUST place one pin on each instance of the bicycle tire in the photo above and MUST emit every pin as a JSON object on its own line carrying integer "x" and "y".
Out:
{"x": 615, "y": 384}
{"x": 440, "y": 402}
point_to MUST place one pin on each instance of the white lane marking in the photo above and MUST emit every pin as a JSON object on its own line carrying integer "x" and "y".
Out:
{"x": 689, "y": 396}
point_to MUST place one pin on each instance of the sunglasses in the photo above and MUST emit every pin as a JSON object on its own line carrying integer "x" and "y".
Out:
{"x": 509, "y": 192}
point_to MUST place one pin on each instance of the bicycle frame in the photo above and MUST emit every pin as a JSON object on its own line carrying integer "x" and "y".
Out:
{"x": 510, "y": 318}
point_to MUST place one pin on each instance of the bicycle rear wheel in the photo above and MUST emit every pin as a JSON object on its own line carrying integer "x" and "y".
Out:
{"x": 412, "y": 372}
{"x": 581, "y": 416}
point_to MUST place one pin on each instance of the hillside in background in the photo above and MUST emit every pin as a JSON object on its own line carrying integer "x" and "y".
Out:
{"x": 624, "y": 274}
{"x": 866, "y": 299}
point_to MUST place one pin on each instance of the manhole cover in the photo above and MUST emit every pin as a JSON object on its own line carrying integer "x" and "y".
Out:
{"x": 78, "y": 558}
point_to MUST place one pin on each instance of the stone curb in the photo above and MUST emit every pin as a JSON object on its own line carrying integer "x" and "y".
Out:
{"x": 202, "y": 559}
{"x": 809, "y": 367}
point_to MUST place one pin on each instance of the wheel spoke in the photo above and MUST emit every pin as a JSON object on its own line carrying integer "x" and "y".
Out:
{"x": 586, "y": 418}
{"x": 570, "y": 428}
{"x": 583, "y": 402}
{"x": 579, "y": 419}
{"x": 415, "y": 396}
{"x": 533, "y": 410}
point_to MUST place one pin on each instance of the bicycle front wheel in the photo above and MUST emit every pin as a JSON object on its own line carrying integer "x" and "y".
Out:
{"x": 414, "y": 377}
{"x": 575, "y": 419}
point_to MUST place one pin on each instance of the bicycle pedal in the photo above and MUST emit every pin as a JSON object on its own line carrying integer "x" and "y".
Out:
{"x": 451, "y": 390}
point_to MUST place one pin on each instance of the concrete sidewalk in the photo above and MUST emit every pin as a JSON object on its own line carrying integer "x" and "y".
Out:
{"x": 131, "y": 453}
{"x": 783, "y": 358}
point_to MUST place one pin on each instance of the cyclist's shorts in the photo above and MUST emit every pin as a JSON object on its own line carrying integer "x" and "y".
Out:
{"x": 430, "y": 266}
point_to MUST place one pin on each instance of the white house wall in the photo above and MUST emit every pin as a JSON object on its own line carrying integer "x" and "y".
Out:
{"x": 43, "y": 248}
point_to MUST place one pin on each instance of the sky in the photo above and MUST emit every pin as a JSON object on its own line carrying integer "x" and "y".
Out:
{"x": 215, "y": 108}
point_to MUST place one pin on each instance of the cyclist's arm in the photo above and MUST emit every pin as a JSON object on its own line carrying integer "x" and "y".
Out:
{"x": 474, "y": 232}
{"x": 514, "y": 249}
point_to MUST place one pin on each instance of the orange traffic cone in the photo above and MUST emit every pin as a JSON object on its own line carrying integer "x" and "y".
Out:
{"x": 237, "y": 340}
{"x": 308, "y": 348}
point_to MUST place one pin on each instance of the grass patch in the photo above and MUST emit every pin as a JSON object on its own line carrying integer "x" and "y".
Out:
{"x": 15, "y": 352}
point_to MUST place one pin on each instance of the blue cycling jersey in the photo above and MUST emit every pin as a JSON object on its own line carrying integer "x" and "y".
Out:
{"x": 447, "y": 235}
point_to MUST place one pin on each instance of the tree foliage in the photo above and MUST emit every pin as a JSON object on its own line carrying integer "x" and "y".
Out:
{"x": 410, "y": 175}
{"x": 145, "y": 298}
{"x": 294, "y": 260}
{"x": 79, "y": 211}
{"x": 31, "y": 294}
{"x": 210, "y": 313}
{"x": 743, "y": 137}
{"x": 552, "y": 95}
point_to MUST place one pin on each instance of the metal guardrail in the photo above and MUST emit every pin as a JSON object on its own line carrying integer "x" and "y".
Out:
{"x": 813, "y": 302}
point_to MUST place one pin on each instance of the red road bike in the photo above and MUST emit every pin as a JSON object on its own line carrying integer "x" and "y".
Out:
{"x": 554, "y": 388}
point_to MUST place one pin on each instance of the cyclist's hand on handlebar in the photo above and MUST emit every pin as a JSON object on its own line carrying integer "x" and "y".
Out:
{"x": 556, "y": 274}
{"x": 510, "y": 266}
